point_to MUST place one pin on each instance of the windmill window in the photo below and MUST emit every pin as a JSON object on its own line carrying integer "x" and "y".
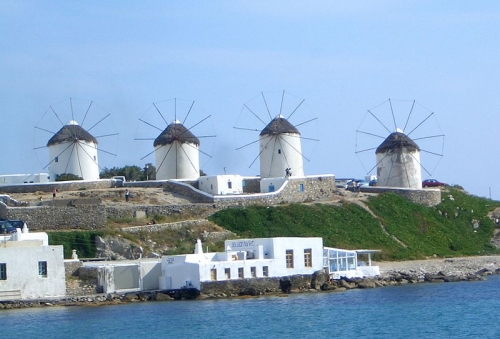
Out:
{"x": 229, "y": 184}
{"x": 56, "y": 159}
{"x": 42, "y": 269}
{"x": 95, "y": 158}
{"x": 3, "y": 271}
{"x": 279, "y": 150}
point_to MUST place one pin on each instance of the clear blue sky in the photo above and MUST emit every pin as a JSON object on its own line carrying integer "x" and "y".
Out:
{"x": 342, "y": 57}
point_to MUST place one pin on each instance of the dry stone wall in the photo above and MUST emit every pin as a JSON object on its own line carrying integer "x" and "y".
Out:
{"x": 426, "y": 197}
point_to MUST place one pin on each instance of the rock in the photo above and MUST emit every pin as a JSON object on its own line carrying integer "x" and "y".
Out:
{"x": 367, "y": 284}
{"x": 162, "y": 297}
{"x": 249, "y": 291}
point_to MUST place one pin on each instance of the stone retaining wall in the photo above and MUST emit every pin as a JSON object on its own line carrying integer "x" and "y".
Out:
{"x": 85, "y": 217}
{"x": 427, "y": 197}
{"x": 61, "y": 186}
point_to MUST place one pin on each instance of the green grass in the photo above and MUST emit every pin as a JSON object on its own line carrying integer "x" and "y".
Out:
{"x": 445, "y": 230}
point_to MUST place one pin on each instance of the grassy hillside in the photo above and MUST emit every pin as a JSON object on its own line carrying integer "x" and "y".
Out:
{"x": 444, "y": 230}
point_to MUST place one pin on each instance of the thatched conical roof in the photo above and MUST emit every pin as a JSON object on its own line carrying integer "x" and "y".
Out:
{"x": 71, "y": 132}
{"x": 397, "y": 141}
{"x": 176, "y": 132}
{"x": 279, "y": 125}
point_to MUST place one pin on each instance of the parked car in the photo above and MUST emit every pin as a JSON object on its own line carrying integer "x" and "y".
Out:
{"x": 432, "y": 183}
{"x": 6, "y": 227}
{"x": 352, "y": 185}
{"x": 10, "y": 226}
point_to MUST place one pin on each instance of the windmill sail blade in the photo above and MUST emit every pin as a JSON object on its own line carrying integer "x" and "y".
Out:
{"x": 189, "y": 111}
{"x": 166, "y": 123}
{"x": 149, "y": 153}
{"x": 393, "y": 117}
{"x": 295, "y": 149}
{"x": 296, "y": 108}
{"x": 199, "y": 150}
{"x": 267, "y": 107}
{"x": 57, "y": 156}
{"x": 430, "y": 137}
{"x": 247, "y": 129}
{"x": 409, "y": 115}
{"x": 97, "y": 123}
{"x": 373, "y": 135}
{"x": 164, "y": 158}
{"x": 250, "y": 143}
{"x": 106, "y": 135}
{"x": 45, "y": 130}
{"x": 254, "y": 114}
{"x": 85, "y": 116}
{"x": 373, "y": 115}
{"x": 147, "y": 123}
{"x": 305, "y": 122}
{"x": 366, "y": 150}
{"x": 420, "y": 124}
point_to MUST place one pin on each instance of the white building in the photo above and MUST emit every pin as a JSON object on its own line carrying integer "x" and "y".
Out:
{"x": 29, "y": 267}
{"x": 15, "y": 179}
{"x": 73, "y": 150}
{"x": 247, "y": 258}
{"x": 260, "y": 258}
{"x": 177, "y": 153}
{"x": 398, "y": 162}
{"x": 127, "y": 276}
{"x": 280, "y": 148}
{"x": 345, "y": 263}
{"x": 221, "y": 184}
{"x": 269, "y": 185}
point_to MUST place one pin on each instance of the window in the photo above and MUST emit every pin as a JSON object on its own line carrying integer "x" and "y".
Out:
{"x": 229, "y": 184}
{"x": 301, "y": 188}
{"x": 42, "y": 269}
{"x": 56, "y": 159}
{"x": 3, "y": 271}
{"x": 265, "y": 271}
{"x": 227, "y": 272}
{"x": 289, "y": 258}
{"x": 213, "y": 274}
{"x": 308, "y": 257}
{"x": 253, "y": 272}
{"x": 279, "y": 150}
{"x": 240, "y": 273}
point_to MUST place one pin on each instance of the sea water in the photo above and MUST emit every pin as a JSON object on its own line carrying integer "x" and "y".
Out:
{"x": 446, "y": 310}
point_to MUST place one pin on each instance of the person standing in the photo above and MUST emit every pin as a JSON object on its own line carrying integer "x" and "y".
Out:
{"x": 127, "y": 195}
{"x": 54, "y": 193}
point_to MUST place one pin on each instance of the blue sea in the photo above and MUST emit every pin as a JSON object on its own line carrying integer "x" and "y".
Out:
{"x": 439, "y": 310}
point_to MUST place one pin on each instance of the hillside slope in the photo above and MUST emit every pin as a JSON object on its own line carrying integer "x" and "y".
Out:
{"x": 459, "y": 226}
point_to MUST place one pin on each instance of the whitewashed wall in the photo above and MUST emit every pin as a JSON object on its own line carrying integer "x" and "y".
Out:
{"x": 77, "y": 158}
{"x": 279, "y": 152}
{"x": 399, "y": 169}
{"x": 22, "y": 270}
{"x": 177, "y": 161}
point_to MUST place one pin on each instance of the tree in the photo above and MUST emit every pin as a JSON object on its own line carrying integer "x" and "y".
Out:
{"x": 68, "y": 177}
{"x": 131, "y": 173}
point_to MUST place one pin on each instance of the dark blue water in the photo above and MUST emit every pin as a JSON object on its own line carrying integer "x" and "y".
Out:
{"x": 447, "y": 310}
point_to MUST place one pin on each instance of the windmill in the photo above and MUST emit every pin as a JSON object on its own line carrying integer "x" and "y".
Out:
{"x": 176, "y": 148}
{"x": 280, "y": 146}
{"x": 399, "y": 159}
{"x": 73, "y": 149}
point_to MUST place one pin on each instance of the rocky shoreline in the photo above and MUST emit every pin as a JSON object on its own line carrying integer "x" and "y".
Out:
{"x": 391, "y": 274}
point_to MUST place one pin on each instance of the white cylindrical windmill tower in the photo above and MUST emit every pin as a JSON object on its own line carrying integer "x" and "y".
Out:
{"x": 73, "y": 150}
{"x": 398, "y": 162}
{"x": 280, "y": 148}
{"x": 177, "y": 153}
